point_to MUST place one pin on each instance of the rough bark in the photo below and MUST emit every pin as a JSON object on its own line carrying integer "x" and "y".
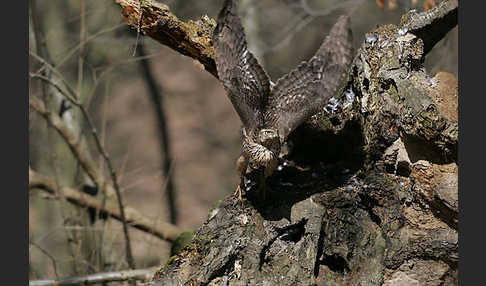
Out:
{"x": 192, "y": 38}
{"x": 366, "y": 195}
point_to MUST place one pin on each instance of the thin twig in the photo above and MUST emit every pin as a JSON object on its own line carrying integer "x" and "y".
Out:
{"x": 82, "y": 38}
{"x": 53, "y": 69}
{"x": 139, "y": 26}
{"x": 101, "y": 150}
{"x": 111, "y": 169}
{"x": 69, "y": 137}
{"x": 50, "y": 95}
{"x": 105, "y": 72}
{"x": 160, "y": 229}
{"x": 304, "y": 22}
{"x": 46, "y": 253}
{"x": 82, "y": 44}
{"x": 137, "y": 274}
{"x": 162, "y": 25}
{"x": 309, "y": 15}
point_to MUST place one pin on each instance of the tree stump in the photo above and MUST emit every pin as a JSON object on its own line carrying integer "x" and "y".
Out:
{"x": 367, "y": 192}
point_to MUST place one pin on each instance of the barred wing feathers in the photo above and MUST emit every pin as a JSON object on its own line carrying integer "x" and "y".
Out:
{"x": 244, "y": 80}
{"x": 305, "y": 90}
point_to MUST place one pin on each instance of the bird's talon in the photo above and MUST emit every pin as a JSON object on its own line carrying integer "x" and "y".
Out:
{"x": 238, "y": 193}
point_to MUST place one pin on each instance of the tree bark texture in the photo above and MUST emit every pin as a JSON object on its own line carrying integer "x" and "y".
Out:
{"x": 367, "y": 192}
{"x": 192, "y": 38}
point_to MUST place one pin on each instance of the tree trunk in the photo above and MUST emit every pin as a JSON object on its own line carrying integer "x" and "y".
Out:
{"x": 366, "y": 194}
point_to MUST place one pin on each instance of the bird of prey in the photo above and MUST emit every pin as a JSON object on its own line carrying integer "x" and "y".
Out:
{"x": 270, "y": 112}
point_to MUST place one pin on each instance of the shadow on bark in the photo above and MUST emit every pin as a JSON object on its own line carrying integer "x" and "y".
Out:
{"x": 366, "y": 193}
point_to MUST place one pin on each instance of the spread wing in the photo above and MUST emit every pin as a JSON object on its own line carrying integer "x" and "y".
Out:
{"x": 243, "y": 78}
{"x": 305, "y": 90}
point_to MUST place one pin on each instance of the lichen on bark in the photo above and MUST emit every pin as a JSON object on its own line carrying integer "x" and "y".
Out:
{"x": 366, "y": 194}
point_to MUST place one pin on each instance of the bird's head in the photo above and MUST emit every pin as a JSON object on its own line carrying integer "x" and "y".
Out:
{"x": 269, "y": 138}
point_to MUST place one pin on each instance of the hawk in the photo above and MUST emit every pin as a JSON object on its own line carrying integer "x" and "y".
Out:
{"x": 270, "y": 112}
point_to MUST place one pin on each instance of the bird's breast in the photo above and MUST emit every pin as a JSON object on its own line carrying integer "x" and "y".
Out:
{"x": 259, "y": 154}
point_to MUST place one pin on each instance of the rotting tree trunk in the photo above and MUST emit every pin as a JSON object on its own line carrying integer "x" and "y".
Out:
{"x": 368, "y": 195}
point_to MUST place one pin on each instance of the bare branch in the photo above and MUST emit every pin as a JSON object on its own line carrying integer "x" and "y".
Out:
{"x": 56, "y": 86}
{"x": 52, "y": 99}
{"x": 106, "y": 157}
{"x": 302, "y": 23}
{"x": 432, "y": 25}
{"x": 82, "y": 38}
{"x": 190, "y": 38}
{"x": 71, "y": 139}
{"x": 138, "y": 274}
{"x": 82, "y": 44}
{"x": 46, "y": 253}
{"x": 193, "y": 39}
{"x": 56, "y": 122}
{"x": 53, "y": 69}
{"x": 162, "y": 230}
{"x": 104, "y": 154}
{"x": 139, "y": 24}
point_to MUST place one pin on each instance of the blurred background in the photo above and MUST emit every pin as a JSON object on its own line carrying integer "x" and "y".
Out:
{"x": 93, "y": 53}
